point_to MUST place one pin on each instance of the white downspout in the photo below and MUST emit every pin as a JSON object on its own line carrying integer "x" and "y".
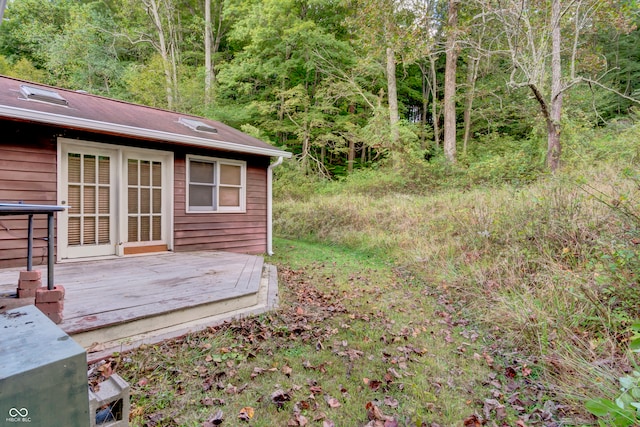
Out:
{"x": 270, "y": 204}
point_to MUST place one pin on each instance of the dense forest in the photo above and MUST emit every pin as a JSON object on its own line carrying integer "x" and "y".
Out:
{"x": 348, "y": 84}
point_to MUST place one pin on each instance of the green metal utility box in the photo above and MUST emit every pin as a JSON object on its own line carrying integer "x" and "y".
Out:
{"x": 43, "y": 373}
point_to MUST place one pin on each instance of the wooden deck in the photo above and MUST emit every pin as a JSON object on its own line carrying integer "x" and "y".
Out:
{"x": 116, "y": 304}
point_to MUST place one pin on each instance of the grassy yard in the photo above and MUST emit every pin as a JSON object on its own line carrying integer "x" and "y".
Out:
{"x": 506, "y": 305}
{"x": 357, "y": 341}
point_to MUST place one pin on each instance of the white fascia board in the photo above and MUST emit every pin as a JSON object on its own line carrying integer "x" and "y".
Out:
{"x": 62, "y": 120}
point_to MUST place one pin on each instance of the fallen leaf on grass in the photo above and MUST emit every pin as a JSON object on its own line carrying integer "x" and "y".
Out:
{"x": 394, "y": 373}
{"x": 390, "y": 401}
{"x": 377, "y": 418}
{"x": 488, "y": 359}
{"x": 332, "y": 401}
{"x": 286, "y": 370}
{"x": 493, "y": 405}
{"x": 320, "y": 416}
{"x": 214, "y": 420}
{"x": 328, "y": 423}
{"x": 154, "y": 419}
{"x": 315, "y": 389}
{"x": 231, "y": 389}
{"x": 208, "y": 401}
{"x": 298, "y": 420}
{"x": 374, "y": 385}
{"x": 279, "y": 397}
{"x": 203, "y": 371}
{"x": 257, "y": 371}
{"x": 373, "y": 412}
{"x": 246, "y": 413}
{"x": 472, "y": 421}
{"x": 300, "y": 406}
{"x": 307, "y": 365}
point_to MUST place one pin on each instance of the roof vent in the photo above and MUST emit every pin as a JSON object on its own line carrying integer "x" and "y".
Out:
{"x": 197, "y": 125}
{"x": 43, "y": 95}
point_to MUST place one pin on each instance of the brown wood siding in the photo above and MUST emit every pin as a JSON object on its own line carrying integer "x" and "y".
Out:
{"x": 234, "y": 232}
{"x": 27, "y": 174}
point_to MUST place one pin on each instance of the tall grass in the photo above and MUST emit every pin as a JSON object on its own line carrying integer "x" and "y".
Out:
{"x": 552, "y": 266}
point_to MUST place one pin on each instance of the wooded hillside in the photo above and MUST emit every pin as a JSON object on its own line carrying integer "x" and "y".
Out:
{"x": 349, "y": 83}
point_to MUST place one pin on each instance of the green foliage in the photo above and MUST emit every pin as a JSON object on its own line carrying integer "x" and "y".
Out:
{"x": 499, "y": 158}
{"x": 30, "y": 26}
{"x": 624, "y": 411}
{"x": 83, "y": 55}
{"x": 371, "y": 182}
{"x": 145, "y": 83}
{"x": 310, "y": 75}
{"x": 24, "y": 69}
{"x": 625, "y": 73}
{"x": 291, "y": 182}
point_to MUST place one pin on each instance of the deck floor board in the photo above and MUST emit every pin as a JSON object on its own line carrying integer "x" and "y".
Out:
{"x": 100, "y": 293}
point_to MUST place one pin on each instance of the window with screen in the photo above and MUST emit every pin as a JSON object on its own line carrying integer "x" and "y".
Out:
{"x": 215, "y": 185}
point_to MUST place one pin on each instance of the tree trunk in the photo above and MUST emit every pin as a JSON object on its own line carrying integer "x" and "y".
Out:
{"x": 553, "y": 126}
{"x": 215, "y": 45}
{"x": 472, "y": 75}
{"x": 392, "y": 90}
{"x": 208, "y": 69}
{"x": 173, "y": 51}
{"x": 351, "y": 156}
{"x": 154, "y": 11}
{"x": 435, "y": 115}
{"x": 426, "y": 93}
{"x": 450, "y": 85}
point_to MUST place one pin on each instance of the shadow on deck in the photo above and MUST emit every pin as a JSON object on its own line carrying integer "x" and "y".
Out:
{"x": 117, "y": 304}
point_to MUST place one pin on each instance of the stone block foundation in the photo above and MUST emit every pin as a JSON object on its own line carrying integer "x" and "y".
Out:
{"x": 51, "y": 302}
{"x": 28, "y": 283}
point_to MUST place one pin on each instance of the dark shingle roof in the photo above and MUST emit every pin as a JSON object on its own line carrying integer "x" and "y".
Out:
{"x": 109, "y": 116}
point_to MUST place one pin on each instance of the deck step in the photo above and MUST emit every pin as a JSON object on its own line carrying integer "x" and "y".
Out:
{"x": 117, "y": 338}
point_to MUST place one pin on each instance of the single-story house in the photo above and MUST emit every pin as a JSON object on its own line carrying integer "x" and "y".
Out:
{"x": 134, "y": 179}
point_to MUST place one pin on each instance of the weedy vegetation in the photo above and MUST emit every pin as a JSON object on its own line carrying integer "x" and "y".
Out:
{"x": 496, "y": 297}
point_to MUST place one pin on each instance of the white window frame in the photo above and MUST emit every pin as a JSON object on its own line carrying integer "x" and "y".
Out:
{"x": 217, "y": 162}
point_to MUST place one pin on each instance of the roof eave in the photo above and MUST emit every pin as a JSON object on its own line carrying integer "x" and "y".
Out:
{"x": 94, "y": 125}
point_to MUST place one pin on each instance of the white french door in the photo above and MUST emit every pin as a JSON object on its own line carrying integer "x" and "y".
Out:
{"x": 119, "y": 200}
{"x": 146, "y": 212}
{"x": 90, "y": 194}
